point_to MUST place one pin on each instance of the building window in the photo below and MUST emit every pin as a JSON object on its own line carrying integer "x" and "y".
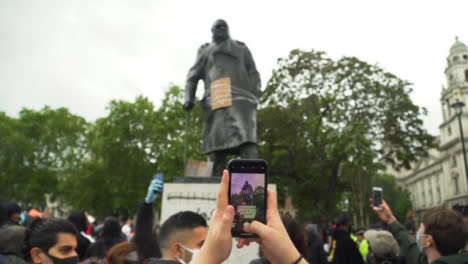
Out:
{"x": 466, "y": 75}
{"x": 454, "y": 161}
{"x": 456, "y": 188}
{"x": 439, "y": 196}
{"x": 455, "y": 58}
{"x": 465, "y": 57}
{"x": 423, "y": 199}
{"x": 449, "y": 130}
{"x": 431, "y": 201}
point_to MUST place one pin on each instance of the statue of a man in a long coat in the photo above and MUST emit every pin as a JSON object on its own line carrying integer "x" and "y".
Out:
{"x": 232, "y": 90}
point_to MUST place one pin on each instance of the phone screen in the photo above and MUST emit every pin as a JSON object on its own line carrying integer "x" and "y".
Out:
{"x": 247, "y": 194}
{"x": 377, "y": 197}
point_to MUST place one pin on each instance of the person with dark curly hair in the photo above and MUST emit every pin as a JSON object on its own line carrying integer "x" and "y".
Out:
{"x": 51, "y": 241}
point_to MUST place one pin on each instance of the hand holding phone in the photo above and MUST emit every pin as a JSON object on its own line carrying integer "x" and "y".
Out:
{"x": 377, "y": 197}
{"x": 247, "y": 193}
{"x": 155, "y": 188}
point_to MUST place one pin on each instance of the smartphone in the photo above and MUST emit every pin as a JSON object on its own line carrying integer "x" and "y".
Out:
{"x": 158, "y": 176}
{"x": 377, "y": 197}
{"x": 248, "y": 181}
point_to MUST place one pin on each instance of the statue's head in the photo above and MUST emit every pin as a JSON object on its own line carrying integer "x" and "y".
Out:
{"x": 220, "y": 30}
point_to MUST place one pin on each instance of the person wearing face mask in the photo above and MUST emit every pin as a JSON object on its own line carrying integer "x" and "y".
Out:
{"x": 180, "y": 238}
{"x": 440, "y": 239}
{"x": 52, "y": 241}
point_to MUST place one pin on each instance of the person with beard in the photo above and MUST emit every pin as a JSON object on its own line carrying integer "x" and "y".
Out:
{"x": 181, "y": 237}
{"x": 230, "y": 125}
{"x": 51, "y": 241}
{"x": 343, "y": 249}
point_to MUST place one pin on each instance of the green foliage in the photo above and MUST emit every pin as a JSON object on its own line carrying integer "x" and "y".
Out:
{"x": 104, "y": 167}
{"x": 37, "y": 149}
{"x": 324, "y": 122}
{"x": 129, "y": 146}
{"x": 325, "y": 127}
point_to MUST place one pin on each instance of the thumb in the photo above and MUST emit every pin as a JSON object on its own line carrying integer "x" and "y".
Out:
{"x": 258, "y": 228}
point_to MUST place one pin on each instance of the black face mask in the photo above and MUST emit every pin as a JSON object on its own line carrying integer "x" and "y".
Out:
{"x": 70, "y": 260}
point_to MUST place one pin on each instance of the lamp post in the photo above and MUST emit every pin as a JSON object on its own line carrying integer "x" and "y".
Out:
{"x": 458, "y": 105}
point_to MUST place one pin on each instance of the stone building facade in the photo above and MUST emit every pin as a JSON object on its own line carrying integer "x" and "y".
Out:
{"x": 440, "y": 178}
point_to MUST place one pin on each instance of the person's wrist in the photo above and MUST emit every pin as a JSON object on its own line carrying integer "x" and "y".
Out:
{"x": 149, "y": 199}
{"x": 292, "y": 256}
{"x": 299, "y": 259}
{"x": 391, "y": 219}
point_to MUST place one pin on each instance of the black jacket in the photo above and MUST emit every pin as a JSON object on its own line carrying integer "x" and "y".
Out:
{"x": 346, "y": 250}
{"x": 145, "y": 239}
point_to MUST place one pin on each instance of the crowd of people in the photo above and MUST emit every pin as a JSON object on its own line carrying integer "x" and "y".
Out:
{"x": 185, "y": 237}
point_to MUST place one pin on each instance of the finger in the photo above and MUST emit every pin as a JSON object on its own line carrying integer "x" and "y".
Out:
{"x": 246, "y": 242}
{"x": 222, "y": 200}
{"x": 251, "y": 240}
{"x": 257, "y": 228}
{"x": 228, "y": 218}
{"x": 240, "y": 243}
{"x": 272, "y": 206}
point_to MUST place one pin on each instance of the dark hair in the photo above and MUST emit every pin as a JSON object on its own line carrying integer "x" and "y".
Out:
{"x": 79, "y": 220}
{"x": 13, "y": 208}
{"x": 44, "y": 233}
{"x": 97, "y": 249}
{"x": 111, "y": 232}
{"x": 297, "y": 234}
{"x": 180, "y": 221}
{"x": 111, "y": 227}
{"x": 447, "y": 228}
{"x": 342, "y": 220}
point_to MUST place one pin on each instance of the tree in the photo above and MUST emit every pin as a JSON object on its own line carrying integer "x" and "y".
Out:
{"x": 129, "y": 146}
{"x": 315, "y": 112}
{"x": 37, "y": 149}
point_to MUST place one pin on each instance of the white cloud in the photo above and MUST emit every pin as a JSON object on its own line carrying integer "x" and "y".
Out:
{"x": 82, "y": 54}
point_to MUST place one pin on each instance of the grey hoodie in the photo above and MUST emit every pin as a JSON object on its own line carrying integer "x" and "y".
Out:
{"x": 12, "y": 244}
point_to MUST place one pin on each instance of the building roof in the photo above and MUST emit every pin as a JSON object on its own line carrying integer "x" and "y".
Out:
{"x": 458, "y": 47}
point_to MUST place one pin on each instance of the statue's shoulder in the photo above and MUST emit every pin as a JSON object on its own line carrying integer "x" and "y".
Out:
{"x": 240, "y": 43}
{"x": 204, "y": 46}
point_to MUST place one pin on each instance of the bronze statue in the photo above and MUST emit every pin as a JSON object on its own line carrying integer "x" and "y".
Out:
{"x": 232, "y": 90}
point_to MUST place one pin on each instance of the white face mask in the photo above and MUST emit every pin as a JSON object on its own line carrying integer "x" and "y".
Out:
{"x": 193, "y": 251}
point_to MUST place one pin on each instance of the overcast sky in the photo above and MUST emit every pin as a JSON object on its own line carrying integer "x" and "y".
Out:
{"x": 82, "y": 54}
